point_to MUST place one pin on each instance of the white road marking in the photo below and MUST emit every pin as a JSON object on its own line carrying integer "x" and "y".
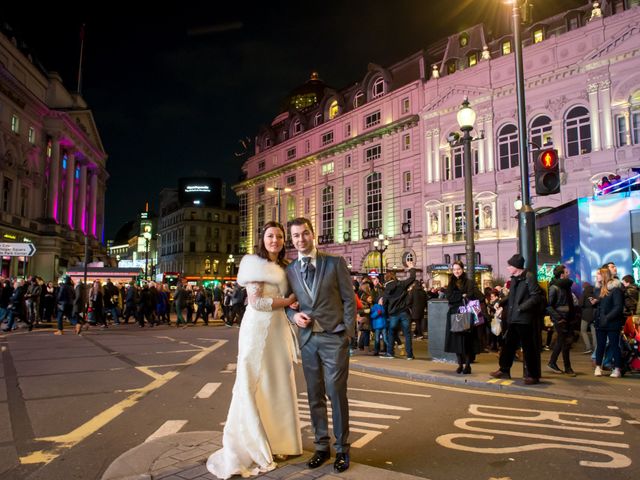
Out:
{"x": 613, "y": 407}
{"x": 390, "y": 392}
{"x": 167, "y": 428}
{"x": 230, "y": 368}
{"x": 208, "y": 390}
{"x": 633, "y": 422}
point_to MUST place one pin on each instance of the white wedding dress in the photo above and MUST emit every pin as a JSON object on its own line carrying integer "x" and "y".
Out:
{"x": 263, "y": 415}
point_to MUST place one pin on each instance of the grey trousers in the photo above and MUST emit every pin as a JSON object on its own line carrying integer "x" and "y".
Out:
{"x": 325, "y": 362}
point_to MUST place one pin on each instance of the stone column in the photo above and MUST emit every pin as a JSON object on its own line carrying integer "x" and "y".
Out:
{"x": 93, "y": 203}
{"x": 436, "y": 153}
{"x": 429, "y": 145}
{"x": 490, "y": 143}
{"x": 70, "y": 182}
{"x": 481, "y": 159}
{"x": 607, "y": 119}
{"x": 54, "y": 177}
{"x": 595, "y": 116}
{"x": 81, "y": 215}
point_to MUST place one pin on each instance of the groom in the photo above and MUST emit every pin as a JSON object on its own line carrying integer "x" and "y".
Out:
{"x": 325, "y": 318}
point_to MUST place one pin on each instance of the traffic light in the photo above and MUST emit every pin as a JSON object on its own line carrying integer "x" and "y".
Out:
{"x": 547, "y": 172}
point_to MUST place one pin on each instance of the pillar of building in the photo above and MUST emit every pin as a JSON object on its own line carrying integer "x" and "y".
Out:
{"x": 81, "y": 214}
{"x": 607, "y": 123}
{"x": 489, "y": 139}
{"x": 436, "y": 153}
{"x": 93, "y": 203}
{"x": 594, "y": 116}
{"x": 67, "y": 214}
{"x": 480, "y": 142}
{"x": 54, "y": 174}
{"x": 429, "y": 159}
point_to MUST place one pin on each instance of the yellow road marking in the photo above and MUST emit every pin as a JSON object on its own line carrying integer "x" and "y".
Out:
{"x": 90, "y": 427}
{"x": 465, "y": 390}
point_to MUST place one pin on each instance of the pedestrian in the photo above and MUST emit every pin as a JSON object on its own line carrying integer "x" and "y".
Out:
{"x": 562, "y": 311}
{"x": 397, "y": 302}
{"x": 609, "y": 320}
{"x": 64, "y": 303}
{"x": 586, "y": 319}
{"x": 79, "y": 307}
{"x": 524, "y": 304}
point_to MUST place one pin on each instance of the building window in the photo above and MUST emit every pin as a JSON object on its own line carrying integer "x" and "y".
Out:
{"x": 333, "y": 110}
{"x": 406, "y": 105}
{"x": 24, "y": 201}
{"x": 192, "y": 246}
{"x": 317, "y": 120}
{"x": 32, "y": 135}
{"x": 291, "y": 207}
{"x": 347, "y": 196}
{"x": 260, "y": 219}
{"x": 406, "y": 181}
{"x": 457, "y": 155}
{"x": 508, "y": 147}
{"x": 260, "y": 191}
{"x": 573, "y": 23}
{"x": 327, "y": 211}
{"x": 267, "y": 142}
{"x": 307, "y": 146}
{"x": 307, "y": 206}
{"x": 327, "y": 138}
{"x": 261, "y": 165}
{"x": 291, "y": 180}
{"x": 327, "y": 168}
{"x": 347, "y": 130}
{"x": 635, "y": 128}
{"x": 578, "y": 131}
{"x": 621, "y": 130}
{"x": 291, "y": 153}
{"x": 476, "y": 162}
{"x": 406, "y": 215}
{"x": 7, "y": 187}
{"x": 374, "y": 200}
{"x": 506, "y": 47}
{"x": 452, "y": 66}
{"x": 538, "y": 35}
{"x": 297, "y": 127}
{"x": 347, "y": 161}
{"x": 463, "y": 40}
{"x": 372, "y": 153}
{"x": 358, "y": 100}
{"x": 372, "y": 119}
{"x": 406, "y": 141}
{"x": 15, "y": 124}
{"x": 472, "y": 59}
{"x": 540, "y": 132}
{"x": 244, "y": 218}
{"x": 377, "y": 90}
{"x": 307, "y": 175}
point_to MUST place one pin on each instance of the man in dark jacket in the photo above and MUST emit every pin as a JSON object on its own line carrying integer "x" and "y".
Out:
{"x": 419, "y": 302}
{"x": 562, "y": 312}
{"x": 16, "y": 306}
{"x": 397, "y": 303}
{"x": 522, "y": 317}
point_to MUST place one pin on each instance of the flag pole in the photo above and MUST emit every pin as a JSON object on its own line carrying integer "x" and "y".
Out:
{"x": 80, "y": 62}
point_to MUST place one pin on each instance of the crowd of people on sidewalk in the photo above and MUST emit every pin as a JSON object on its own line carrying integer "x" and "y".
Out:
{"x": 35, "y": 303}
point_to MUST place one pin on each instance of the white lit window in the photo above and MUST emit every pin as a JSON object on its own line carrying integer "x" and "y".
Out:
{"x": 374, "y": 200}
{"x": 327, "y": 168}
{"x": 297, "y": 127}
{"x": 372, "y": 153}
{"x": 372, "y": 119}
{"x": 406, "y": 141}
{"x": 506, "y": 47}
{"x": 317, "y": 120}
{"x": 327, "y": 211}
{"x": 538, "y": 35}
{"x": 333, "y": 110}
{"x": 15, "y": 124}
{"x": 377, "y": 90}
{"x": 635, "y": 128}
{"x": 508, "y": 147}
{"x": 32, "y": 135}
{"x": 406, "y": 181}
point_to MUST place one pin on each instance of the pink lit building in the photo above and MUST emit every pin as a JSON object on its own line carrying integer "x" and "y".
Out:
{"x": 52, "y": 167}
{"x": 373, "y": 158}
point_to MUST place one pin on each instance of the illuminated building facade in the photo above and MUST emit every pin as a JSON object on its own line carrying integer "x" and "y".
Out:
{"x": 52, "y": 167}
{"x": 197, "y": 231}
{"x": 373, "y": 158}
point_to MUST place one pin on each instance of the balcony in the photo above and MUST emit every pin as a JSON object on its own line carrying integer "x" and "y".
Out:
{"x": 372, "y": 232}
{"x": 325, "y": 239}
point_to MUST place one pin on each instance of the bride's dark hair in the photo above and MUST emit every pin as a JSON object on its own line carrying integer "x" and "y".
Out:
{"x": 262, "y": 249}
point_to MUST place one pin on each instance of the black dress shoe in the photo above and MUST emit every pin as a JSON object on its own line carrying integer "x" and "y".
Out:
{"x": 318, "y": 459}
{"x": 342, "y": 462}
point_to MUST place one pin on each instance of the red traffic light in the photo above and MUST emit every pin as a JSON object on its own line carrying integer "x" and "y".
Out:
{"x": 549, "y": 158}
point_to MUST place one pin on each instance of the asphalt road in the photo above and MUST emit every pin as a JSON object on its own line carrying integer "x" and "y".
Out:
{"x": 70, "y": 405}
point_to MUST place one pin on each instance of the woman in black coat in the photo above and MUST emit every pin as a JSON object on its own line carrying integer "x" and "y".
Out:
{"x": 464, "y": 344}
{"x": 609, "y": 320}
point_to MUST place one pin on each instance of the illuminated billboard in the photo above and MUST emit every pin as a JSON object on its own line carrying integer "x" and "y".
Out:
{"x": 201, "y": 191}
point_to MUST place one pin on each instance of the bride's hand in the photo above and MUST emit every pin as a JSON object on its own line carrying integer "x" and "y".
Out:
{"x": 291, "y": 299}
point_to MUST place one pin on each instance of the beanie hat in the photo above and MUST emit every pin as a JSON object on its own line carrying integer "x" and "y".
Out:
{"x": 517, "y": 261}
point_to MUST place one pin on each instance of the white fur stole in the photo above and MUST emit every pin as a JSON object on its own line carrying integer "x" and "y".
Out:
{"x": 256, "y": 269}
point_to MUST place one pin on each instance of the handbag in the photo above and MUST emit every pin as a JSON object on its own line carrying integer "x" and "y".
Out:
{"x": 460, "y": 322}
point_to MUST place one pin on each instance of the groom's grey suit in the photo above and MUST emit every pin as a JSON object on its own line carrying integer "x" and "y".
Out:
{"x": 324, "y": 344}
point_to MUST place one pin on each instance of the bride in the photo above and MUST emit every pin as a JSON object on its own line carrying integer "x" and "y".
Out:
{"x": 263, "y": 416}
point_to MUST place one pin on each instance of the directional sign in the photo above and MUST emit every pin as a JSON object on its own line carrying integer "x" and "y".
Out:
{"x": 17, "y": 249}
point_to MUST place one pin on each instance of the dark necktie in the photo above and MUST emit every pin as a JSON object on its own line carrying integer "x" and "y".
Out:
{"x": 308, "y": 271}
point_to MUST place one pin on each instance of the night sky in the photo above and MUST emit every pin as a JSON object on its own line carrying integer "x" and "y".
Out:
{"x": 173, "y": 90}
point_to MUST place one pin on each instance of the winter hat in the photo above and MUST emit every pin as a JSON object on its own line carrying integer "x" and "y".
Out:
{"x": 517, "y": 261}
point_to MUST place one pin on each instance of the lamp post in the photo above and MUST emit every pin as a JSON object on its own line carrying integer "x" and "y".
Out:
{"x": 147, "y": 237}
{"x": 279, "y": 191}
{"x": 381, "y": 245}
{"x": 526, "y": 215}
{"x": 231, "y": 263}
{"x": 466, "y": 118}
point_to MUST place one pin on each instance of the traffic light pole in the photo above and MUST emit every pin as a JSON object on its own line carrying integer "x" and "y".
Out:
{"x": 526, "y": 215}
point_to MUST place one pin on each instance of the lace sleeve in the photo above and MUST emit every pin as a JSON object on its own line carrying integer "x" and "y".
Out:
{"x": 256, "y": 300}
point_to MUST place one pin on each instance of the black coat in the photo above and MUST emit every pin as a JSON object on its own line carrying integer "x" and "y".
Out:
{"x": 395, "y": 294}
{"x": 464, "y": 343}
{"x": 610, "y": 308}
{"x": 525, "y": 300}
{"x": 561, "y": 308}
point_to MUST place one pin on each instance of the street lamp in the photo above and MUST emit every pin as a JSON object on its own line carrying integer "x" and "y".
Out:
{"x": 466, "y": 118}
{"x": 147, "y": 237}
{"x": 231, "y": 263}
{"x": 279, "y": 191}
{"x": 526, "y": 215}
{"x": 381, "y": 245}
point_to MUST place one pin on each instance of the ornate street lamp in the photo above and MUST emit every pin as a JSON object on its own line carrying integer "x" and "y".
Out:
{"x": 380, "y": 245}
{"x": 231, "y": 263}
{"x": 466, "y": 118}
{"x": 147, "y": 237}
{"x": 279, "y": 191}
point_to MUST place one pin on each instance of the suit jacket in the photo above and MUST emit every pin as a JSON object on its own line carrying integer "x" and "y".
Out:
{"x": 331, "y": 303}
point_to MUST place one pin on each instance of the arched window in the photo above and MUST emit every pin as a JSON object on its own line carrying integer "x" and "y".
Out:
{"x": 508, "y": 146}
{"x": 317, "y": 120}
{"x": 377, "y": 90}
{"x": 358, "y": 100}
{"x": 327, "y": 211}
{"x": 333, "y": 109}
{"x": 540, "y": 132}
{"x": 374, "y": 200}
{"x": 297, "y": 126}
{"x": 578, "y": 131}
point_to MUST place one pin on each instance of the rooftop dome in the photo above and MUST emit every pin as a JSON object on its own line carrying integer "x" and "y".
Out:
{"x": 305, "y": 96}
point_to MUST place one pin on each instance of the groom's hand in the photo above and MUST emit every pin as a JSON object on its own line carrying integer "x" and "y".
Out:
{"x": 302, "y": 319}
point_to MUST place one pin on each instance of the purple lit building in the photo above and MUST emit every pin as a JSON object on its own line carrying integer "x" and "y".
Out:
{"x": 373, "y": 158}
{"x": 52, "y": 167}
